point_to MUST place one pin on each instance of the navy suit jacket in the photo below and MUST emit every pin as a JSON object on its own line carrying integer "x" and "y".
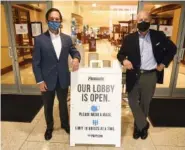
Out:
{"x": 46, "y": 66}
{"x": 163, "y": 50}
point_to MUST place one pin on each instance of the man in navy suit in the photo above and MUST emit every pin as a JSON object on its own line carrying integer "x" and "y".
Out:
{"x": 50, "y": 67}
{"x": 144, "y": 54}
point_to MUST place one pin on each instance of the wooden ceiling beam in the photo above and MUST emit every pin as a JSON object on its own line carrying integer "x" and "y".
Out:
{"x": 165, "y": 8}
{"x": 30, "y": 7}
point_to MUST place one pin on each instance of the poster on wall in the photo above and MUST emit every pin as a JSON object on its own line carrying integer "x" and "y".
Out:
{"x": 95, "y": 106}
{"x": 36, "y": 28}
{"x": 21, "y": 28}
{"x": 154, "y": 27}
{"x": 166, "y": 29}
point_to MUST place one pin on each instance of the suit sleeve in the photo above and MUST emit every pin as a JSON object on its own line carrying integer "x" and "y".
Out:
{"x": 73, "y": 51}
{"x": 36, "y": 62}
{"x": 122, "y": 54}
{"x": 170, "y": 50}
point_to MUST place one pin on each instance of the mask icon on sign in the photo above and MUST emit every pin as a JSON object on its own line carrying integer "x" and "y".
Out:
{"x": 94, "y": 108}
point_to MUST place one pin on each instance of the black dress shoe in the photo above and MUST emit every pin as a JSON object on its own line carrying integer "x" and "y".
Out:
{"x": 67, "y": 129}
{"x": 48, "y": 134}
{"x": 144, "y": 132}
{"x": 136, "y": 133}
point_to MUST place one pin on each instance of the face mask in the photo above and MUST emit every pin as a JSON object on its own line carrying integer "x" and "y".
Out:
{"x": 143, "y": 26}
{"x": 54, "y": 25}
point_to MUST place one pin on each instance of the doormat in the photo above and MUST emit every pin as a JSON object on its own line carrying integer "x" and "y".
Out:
{"x": 20, "y": 108}
{"x": 167, "y": 112}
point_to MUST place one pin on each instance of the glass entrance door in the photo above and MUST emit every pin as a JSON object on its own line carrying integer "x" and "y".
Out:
{"x": 179, "y": 84}
{"x": 26, "y": 20}
{"x": 169, "y": 18}
{"x": 9, "y": 80}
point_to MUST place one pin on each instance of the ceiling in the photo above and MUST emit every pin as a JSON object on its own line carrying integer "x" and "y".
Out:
{"x": 108, "y": 3}
{"x": 149, "y": 7}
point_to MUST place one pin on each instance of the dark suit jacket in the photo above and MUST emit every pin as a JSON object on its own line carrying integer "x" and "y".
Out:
{"x": 46, "y": 66}
{"x": 163, "y": 50}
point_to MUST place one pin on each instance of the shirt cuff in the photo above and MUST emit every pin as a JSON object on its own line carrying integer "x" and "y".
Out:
{"x": 40, "y": 82}
{"x": 163, "y": 64}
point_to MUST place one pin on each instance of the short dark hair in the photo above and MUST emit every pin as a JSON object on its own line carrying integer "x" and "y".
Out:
{"x": 51, "y": 10}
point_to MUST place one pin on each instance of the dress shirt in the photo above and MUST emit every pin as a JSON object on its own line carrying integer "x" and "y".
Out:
{"x": 148, "y": 61}
{"x": 57, "y": 43}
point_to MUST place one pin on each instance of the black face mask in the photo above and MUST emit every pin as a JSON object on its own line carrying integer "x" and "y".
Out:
{"x": 143, "y": 26}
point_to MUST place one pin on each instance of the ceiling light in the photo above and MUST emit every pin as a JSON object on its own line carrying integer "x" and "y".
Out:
{"x": 157, "y": 6}
{"x": 94, "y": 5}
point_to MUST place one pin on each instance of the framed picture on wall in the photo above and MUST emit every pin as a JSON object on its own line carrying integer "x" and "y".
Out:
{"x": 153, "y": 26}
{"x": 21, "y": 28}
{"x": 166, "y": 29}
{"x": 36, "y": 28}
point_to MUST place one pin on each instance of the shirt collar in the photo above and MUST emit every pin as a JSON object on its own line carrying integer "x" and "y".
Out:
{"x": 147, "y": 34}
{"x": 54, "y": 35}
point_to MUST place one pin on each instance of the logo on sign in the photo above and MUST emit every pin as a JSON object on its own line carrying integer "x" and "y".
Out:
{"x": 96, "y": 78}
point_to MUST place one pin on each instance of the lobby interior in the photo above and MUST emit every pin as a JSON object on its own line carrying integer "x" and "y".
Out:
{"x": 97, "y": 30}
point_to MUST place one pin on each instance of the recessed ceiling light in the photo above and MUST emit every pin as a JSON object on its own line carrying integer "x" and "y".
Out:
{"x": 94, "y": 5}
{"x": 157, "y": 6}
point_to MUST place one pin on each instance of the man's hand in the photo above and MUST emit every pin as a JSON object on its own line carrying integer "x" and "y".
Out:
{"x": 160, "y": 67}
{"x": 75, "y": 64}
{"x": 127, "y": 64}
{"x": 43, "y": 86}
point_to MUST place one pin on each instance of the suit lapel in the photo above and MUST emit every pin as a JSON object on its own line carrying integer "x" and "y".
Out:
{"x": 137, "y": 45}
{"x": 51, "y": 44}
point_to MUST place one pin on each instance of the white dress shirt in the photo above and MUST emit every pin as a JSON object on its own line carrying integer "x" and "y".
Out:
{"x": 57, "y": 44}
{"x": 148, "y": 61}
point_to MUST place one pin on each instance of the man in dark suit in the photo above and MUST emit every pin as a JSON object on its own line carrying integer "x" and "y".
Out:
{"x": 50, "y": 67}
{"x": 144, "y": 54}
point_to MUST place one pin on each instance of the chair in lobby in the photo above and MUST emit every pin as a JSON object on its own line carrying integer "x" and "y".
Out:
{"x": 93, "y": 56}
{"x": 106, "y": 63}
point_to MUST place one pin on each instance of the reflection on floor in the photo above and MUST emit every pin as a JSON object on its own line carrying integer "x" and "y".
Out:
{"x": 106, "y": 52}
{"x": 26, "y": 74}
{"x": 30, "y": 136}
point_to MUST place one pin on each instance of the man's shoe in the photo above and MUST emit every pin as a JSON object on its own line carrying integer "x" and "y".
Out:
{"x": 136, "y": 133}
{"x": 48, "y": 134}
{"x": 67, "y": 129}
{"x": 144, "y": 132}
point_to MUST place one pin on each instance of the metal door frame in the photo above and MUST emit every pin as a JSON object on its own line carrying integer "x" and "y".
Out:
{"x": 18, "y": 87}
{"x": 172, "y": 91}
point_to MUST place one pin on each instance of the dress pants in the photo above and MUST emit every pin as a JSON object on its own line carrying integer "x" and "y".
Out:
{"x": 140, "y": 97}
{"x": 48, "y": 100}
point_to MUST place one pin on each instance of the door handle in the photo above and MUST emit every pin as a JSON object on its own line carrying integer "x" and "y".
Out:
{"x": 10, "y": 52}
{"x": 181, "y": 55}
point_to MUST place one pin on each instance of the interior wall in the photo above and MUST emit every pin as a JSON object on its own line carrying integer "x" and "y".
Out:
{"x": 104, "y": 18}
{"x": 38, "y": 16}
{"x": 5, "y": 59}
{"x": 34, "y": 16}
{"x": 176, "y": 19}
{"x": 66, "y": 10}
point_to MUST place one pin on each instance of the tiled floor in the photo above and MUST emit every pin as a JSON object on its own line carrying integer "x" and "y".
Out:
{"x": 30, "y": 136}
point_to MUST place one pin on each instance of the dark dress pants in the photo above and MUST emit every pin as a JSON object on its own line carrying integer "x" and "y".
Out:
{"x": 48, "y": 100}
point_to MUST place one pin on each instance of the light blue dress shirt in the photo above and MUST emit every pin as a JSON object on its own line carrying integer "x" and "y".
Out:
{"x": 148, "y": 61}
